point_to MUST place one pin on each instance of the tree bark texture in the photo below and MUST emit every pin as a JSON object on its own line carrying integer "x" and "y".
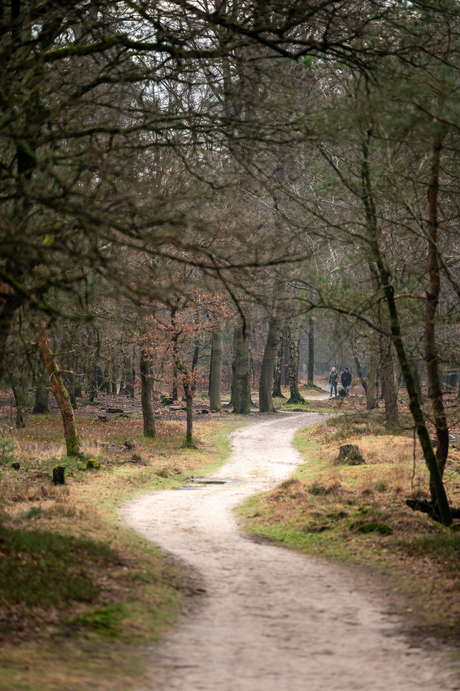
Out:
{"x": 389, "y": 388}
{"x": 187, "y": 384}
{"x": 311, "y": 351}
{"x": 278, "y": 368}
{"x": 241, "y": 375}
{"x": 61, "y": 395}
{"x": 20, "y": 423}
{"x": 234, "y": 349}
{"x": 189, "y": 406}
{"x": 146, "y": 396}
{"x": 431, "y": 304}
{"x": 133, "y": 373}
{"x": 216, "y": 367}
{"x": 196, "y": 353}
{"x": 268, "y": 365}
{"x": 372, "y": 393}
{"x": 293, "y": 333}
{"x": 285, "y": 362}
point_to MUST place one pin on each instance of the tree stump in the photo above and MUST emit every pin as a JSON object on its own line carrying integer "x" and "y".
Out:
{"x": 349, "y": 454}
{"x": 58, "y": 475}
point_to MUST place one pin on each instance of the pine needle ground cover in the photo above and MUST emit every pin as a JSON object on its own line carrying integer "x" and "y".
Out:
{"x": 356, "y": 514}
{"x": 80, "y": 594}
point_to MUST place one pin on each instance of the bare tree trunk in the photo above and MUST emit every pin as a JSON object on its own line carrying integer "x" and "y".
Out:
{"x": 294, "y": 341}
{"x": 61, "y": 395}
{"x": 133, "y": 372}
{"x": 389, "y": 388}
{"x": 189, "y": 406}
{"x": 216, "y": 367}
{"x": 187, "y": 384}
{"x": 278, "y": 367}
{"x": 20, "y": 423}
{"x": 268, "y": 364}
{"x": 146, "y": 396}
{"x": 372, "y": 393}
{"x": 196, "y": 353}
{"x": 285, "y": 365}
{"x": 210, "y": 367}
{"x": 241, "y": 378}
{"x": 311, "y": 351}
{"x": 234, "y": 349}
{"x": 432, "y": 299}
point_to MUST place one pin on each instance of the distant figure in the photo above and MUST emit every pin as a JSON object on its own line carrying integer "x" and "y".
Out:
{"x": 346, "y": 380}
{"x": 333, "y": 380}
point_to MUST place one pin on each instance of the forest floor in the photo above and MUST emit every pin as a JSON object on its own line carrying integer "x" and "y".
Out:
{"x": 253, "y": 616}
{"x": 80, "y": 593}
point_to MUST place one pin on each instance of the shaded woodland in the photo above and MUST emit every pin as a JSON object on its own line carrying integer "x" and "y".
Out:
{"x": 211, "y": 199}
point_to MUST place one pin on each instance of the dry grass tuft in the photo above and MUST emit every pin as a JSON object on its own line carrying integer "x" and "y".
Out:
{"x": 170, "y": 470}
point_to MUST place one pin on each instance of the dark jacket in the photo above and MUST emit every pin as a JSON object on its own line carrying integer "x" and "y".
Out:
{"x": 334, "y": 377}
{"x": 346, "y": 378}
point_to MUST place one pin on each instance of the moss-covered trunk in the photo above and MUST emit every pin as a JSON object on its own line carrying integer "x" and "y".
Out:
{"x": 61, "y": 395}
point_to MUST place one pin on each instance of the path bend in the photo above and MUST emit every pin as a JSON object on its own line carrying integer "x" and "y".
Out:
{"x": 272, "y": 619}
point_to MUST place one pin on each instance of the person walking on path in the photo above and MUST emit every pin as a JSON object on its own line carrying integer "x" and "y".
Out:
{"x": 333, "y": 380}
{"x": 346, "y": 380}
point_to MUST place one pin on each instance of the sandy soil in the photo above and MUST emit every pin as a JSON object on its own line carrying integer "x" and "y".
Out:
{"x": 271, "y": 619}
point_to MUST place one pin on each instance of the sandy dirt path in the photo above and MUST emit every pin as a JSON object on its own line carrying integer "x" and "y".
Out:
{"x": 271, "y": 619}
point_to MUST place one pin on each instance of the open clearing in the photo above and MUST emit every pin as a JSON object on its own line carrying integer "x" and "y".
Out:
{"x": 272, "y": 619}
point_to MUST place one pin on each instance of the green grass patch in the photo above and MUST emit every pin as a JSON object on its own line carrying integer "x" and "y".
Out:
{"x": 41, "y": 569}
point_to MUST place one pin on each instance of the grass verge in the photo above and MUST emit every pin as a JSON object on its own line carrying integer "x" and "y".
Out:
{"x": 357, "y": 515}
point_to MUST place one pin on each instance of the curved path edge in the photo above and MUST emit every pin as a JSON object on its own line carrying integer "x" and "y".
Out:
{"x": 271, "y": 619}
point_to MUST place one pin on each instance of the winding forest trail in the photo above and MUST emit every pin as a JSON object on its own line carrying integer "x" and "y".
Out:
{"x": 271, "y": 619}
